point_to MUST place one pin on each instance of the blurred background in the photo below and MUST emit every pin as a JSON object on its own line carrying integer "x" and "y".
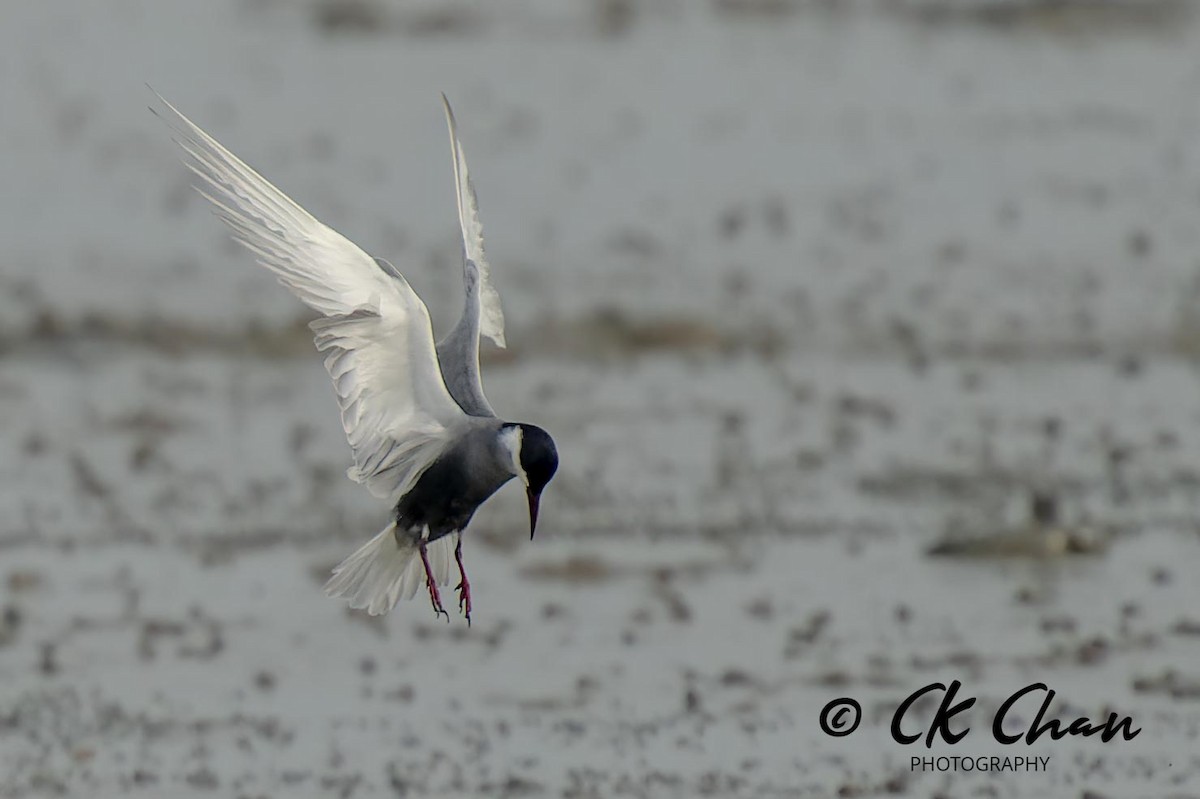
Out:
{"x": 867, "y": 330}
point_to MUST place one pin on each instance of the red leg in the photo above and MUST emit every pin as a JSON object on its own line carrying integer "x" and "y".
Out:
{"x": 464, "y": 587}
{"x": 434, "y": 595}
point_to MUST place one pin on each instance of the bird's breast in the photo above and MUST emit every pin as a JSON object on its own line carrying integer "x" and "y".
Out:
{"x": 446, "y": 496}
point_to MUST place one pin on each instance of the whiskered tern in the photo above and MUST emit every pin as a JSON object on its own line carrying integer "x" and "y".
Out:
{"x": 422, "y": 433}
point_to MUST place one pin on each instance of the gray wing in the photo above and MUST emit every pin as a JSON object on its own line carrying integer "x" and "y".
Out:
{"x": 458, "y": 352}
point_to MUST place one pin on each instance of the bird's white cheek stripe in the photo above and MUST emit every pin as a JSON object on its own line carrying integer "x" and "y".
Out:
{"x": 511, "y": 439}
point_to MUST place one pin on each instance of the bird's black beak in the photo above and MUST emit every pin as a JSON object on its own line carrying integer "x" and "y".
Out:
{"x": 534, "y": 498}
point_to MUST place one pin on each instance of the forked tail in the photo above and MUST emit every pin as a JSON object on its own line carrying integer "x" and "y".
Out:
{"x": 384, "y": 570}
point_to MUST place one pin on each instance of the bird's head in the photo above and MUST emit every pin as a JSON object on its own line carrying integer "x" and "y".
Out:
{"x": 534, "y": 460}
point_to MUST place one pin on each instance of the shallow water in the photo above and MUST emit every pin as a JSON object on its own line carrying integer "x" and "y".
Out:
{"x": 801, "y": 290}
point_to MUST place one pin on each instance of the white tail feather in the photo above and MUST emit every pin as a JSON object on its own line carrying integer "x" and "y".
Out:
{"x": 383, "y": 571}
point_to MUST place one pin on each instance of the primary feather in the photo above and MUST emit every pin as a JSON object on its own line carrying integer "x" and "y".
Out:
{"x": 491, "y": 316}
{"x": 377, "y": 339}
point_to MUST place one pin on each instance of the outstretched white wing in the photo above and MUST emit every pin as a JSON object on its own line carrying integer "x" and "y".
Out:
{"x": 377, "y": 339}
{"x": 395, "y": 409}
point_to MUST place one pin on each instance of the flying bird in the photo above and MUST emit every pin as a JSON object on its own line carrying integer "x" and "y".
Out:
{"x": 422, "y": 433}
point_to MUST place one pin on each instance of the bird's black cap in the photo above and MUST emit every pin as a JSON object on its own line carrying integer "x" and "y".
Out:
{"x": 539, "y": 456}
{"x": 539, "y": 460}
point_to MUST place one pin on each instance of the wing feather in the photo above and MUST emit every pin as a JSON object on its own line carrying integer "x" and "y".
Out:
{"x": 491, "y": 315}
{"x": 324, "y": 269}
{"x": 458, "y": 352}
{"x": 377, "y": 338}
{"x": 393, "y": 438}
